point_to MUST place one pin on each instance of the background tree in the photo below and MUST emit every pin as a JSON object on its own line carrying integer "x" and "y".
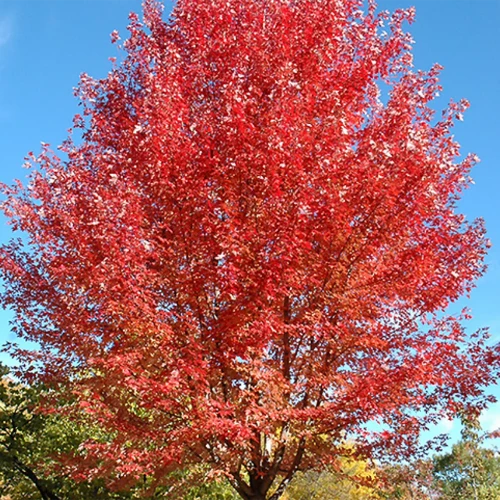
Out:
{"x": 32, "y": 445}
{"x": 216, "y": 490}
{"x": 409, "y": 481}
{"x": 354, "y": 480}
{"x": 21, "y": 438}
{"x": 247, "y": 250}
{"x": 472, "y": 469}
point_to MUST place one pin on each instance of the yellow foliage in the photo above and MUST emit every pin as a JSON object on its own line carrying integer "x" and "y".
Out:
{"x": 330, "y": 485}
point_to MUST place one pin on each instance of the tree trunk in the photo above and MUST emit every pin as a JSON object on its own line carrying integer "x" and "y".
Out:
{"x": 45, "y": 492}
{"x": 257, "y": 496}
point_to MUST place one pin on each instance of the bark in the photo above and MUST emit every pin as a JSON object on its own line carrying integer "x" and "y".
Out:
{"x": 291, "y": 472}
{"x": 26, "y": 471}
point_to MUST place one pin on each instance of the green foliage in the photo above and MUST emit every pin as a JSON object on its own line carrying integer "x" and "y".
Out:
{"x": 30, "y": 444}
{"x": 409, "y": 481}
{"x": 20, "y": 443}
{"x": 470, "y": 471}
{"x": 217, "y": 490}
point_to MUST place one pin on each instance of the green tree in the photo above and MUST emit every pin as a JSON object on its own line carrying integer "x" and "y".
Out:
{"x": 409, "y": 481}
{"x": 20, "y": 443}
{"x": 32, "y": 442}
{"x": 470, "y": 471}
{"x": 216, "y": 490}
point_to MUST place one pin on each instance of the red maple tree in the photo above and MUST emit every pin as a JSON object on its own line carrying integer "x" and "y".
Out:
{"x": 246, "y": 257}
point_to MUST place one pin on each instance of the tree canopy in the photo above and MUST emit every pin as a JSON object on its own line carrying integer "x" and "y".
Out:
{"x": 471, "y": 469}
{"x": 244, "y": 253}
{"x": 32, "y": 446}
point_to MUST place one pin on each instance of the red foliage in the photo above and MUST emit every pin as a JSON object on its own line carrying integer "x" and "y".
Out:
{"x": 247, "y": 256}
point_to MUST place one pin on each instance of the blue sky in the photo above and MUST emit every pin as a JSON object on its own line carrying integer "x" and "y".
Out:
{"x": 46, "y": 44}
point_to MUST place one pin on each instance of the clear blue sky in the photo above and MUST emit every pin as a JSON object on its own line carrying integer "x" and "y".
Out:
{"x": 46, "y": 44}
